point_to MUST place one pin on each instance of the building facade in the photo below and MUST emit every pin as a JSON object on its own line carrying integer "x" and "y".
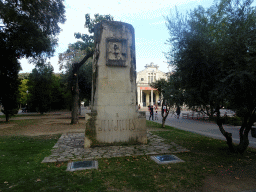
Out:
{"x": 147, "y": 95}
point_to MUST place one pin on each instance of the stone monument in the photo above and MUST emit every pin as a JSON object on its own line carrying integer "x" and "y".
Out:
{"x": 114, "y": 117}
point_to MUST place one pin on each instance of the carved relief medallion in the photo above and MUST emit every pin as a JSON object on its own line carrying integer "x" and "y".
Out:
{"x": 116, "y": 52}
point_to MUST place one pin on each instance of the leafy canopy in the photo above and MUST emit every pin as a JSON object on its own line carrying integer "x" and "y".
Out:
{"x": 31, "y": 26}
{"x": 213, "y": 53}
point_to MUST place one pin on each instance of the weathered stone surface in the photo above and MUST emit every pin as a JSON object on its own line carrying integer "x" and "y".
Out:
{"x": 114, "y": 119}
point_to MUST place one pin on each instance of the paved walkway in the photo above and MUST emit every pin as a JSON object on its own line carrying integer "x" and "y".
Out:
{"x": 204, "y": 128}
{"x": 70, "y": 147}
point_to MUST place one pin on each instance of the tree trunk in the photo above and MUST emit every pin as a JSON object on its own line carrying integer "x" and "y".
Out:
{"x": 227, "y": 135}
{"x": 243, "y": 133}
{"x": 75, "y": 100}
{"x": 7, "y": 117}
{"x": 75, "y": 88}
{"x": 163, "y": 121}
{"x": 79, "y": 104}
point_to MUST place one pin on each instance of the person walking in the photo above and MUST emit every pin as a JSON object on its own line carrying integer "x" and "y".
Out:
{"x": 164, "y": 108}
{"x": 151, "y": 113}
{"x": 156, "y": 118}
{"x": 178, "y": 112}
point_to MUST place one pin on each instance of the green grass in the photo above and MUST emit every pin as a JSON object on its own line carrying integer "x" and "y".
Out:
{"x": 20, "y": 161}
{"x": 22, "y": 170}
{"x": 22, "y": 122}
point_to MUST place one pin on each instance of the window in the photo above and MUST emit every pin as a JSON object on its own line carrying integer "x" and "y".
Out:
{"x": 151, "y": 77}
{"x": 142, "y": 79}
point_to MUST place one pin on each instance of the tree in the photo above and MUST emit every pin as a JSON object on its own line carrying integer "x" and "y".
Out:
{"x": 40, "y": 88}
{"x": 10, "y": 83}
{"x": 86, "y": 47}
{"x": 29, "y": 29}
{"x": 172, "y": 95}
{"x": 46, "y": 89}
{"x": 214, "y": 55}
{"x": 23, "y": 90}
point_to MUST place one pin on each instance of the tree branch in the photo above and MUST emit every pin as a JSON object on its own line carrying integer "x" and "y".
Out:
{"x": 76, "y": 66}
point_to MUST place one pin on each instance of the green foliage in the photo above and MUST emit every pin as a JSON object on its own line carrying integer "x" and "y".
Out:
{"x": 170, "y": 90}
{"x": 46, "y": 92}
{"x": 23, "y": 88}
{"x": 29, "y": 30}
{"x": 214, "y": 55}
{"x": 76, "y": 52}
{"x": 10, "y": 83}
{"x": 30, "y": 27}
{"x": 40, "y": 87}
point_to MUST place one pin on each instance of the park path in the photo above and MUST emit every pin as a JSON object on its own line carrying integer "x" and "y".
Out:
{"x": 204, "y": 128}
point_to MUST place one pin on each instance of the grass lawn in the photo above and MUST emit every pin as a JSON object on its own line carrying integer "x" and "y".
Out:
{"x": 21, "y": 168}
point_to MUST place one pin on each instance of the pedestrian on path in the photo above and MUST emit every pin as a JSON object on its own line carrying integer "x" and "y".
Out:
{"x": 164, "y": 108}
{"x": 156, "y": 118}
{"x": 178, "y": 112}
{"x": 151, "y": 113}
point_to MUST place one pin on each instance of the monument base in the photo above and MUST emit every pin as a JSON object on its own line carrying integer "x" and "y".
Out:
{"x": 100, "y": 132}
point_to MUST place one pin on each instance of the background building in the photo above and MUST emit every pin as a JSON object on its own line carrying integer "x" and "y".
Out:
{"x": 147, "y": 95}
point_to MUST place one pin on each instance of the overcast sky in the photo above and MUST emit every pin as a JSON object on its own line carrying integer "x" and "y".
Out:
{"x": 146, "y": 16}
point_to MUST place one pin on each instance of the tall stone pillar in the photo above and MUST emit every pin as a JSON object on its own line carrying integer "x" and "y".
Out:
{"x": 152, "y": 102}
{"x": 114, "y": 118}
{"x": 138, "y": 98}
{"x": 141, "y": 100}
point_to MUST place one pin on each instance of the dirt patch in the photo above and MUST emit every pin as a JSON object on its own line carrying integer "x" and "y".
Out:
{"x": 45, "y": 125}
{"x": 4, "y": 126}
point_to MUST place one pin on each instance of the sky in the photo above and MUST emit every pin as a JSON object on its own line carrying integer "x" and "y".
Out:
{"x": 146, "y": 16}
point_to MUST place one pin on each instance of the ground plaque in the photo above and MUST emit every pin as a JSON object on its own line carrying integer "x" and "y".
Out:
{"x": 81, "y": 165}
{"x": 114, "y": 118}
{"x": 164, "y": 159}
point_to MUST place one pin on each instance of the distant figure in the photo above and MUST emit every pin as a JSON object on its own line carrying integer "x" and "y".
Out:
{"x": 151, "y": 113}
{"x": 164, "y": 108}
{"x": 178, "y": 112}
{"x": 156, "y": 118}
{"x": 139, "y": 106}
{"x": 159, "y": 102}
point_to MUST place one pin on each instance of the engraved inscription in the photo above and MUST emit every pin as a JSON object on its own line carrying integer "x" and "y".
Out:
{"x": 118, "y": 125}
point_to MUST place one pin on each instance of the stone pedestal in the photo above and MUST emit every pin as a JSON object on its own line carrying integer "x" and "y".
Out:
{"x": 114, "y": 118}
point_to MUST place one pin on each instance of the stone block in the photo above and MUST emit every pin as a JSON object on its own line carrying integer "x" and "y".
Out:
{"x": 114, "y": 119}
